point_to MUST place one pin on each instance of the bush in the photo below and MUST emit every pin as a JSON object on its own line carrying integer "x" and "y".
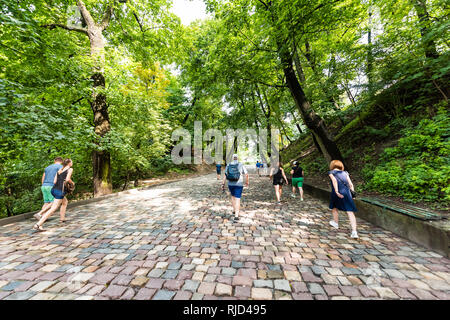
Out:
{"x": 418, "y": 168}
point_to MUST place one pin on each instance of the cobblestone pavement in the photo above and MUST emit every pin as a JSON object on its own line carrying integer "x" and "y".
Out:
{"x": 176, "y": 241}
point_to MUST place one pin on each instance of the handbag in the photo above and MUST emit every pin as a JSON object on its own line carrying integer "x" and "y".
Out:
{"x": 69, "y": 187}
{"x": 353, "y": 193}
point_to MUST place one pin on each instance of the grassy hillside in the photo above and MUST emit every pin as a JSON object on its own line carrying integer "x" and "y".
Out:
{"x": 397, "y": 152}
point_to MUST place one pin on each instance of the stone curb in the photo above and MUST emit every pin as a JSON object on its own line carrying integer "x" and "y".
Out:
{"x": 28, "y": 215}
{"x": 421, "y": 232}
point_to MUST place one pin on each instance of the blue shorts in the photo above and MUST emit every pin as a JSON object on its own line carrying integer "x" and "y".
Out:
{"x": 236, "y": 191}
{"x": 218, "y": 170}
{"x": 58, "y": 194}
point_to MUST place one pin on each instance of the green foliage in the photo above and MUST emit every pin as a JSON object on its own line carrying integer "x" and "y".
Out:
{"x": 419, "y": 167}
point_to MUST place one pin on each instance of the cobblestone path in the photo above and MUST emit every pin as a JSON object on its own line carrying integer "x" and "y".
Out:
{"x": 176, "y": 241}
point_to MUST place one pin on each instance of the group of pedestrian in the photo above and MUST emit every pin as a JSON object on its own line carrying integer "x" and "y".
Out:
{"x": 341, "y": 196}
{"x": 56, "y": 184}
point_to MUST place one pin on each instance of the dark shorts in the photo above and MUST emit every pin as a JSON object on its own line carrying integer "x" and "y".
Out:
{"x": 218, "y": 170}
{"x": 58, "y": 194}
{"x": 236, "y": 191}
{"x": 278, "y": 182}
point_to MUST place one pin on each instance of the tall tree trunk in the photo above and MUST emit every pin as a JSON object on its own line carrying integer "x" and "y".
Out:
{"x": 101, "y": 159}
{"x": 369, "y": 70}
{"x": 312, "y": 120}
{"x": 267, "y": 115}
{"x": 425, "y": 23}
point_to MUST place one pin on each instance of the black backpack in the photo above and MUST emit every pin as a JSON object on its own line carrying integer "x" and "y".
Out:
{"x": 232, "y": 173}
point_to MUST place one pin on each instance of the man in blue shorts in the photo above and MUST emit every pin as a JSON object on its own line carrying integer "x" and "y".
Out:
{"x": 218, "y": 170}
{"x": 47, "y": 184}
{"x": 234, "y": 173}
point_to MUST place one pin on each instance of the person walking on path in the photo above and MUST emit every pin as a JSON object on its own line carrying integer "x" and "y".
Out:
{"x": 258, "y": 165}
{"x": 278, "y": 175}
{"x": 297, "y": 179}
{"x": 234, "y": 173}
{"x": 62, "y": 178}
{"x": 47, "y": 184}
{"x": 341, "y": 195}
{"x": 218, "y": 170}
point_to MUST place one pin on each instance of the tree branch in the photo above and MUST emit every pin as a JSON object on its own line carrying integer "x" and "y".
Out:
{"x": 107, "y": 17}
{"x": 85, "y": 13}
{"x": 63, "y": 26}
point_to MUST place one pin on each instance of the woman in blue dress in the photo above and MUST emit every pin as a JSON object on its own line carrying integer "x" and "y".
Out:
{"x": 341, "y": 197}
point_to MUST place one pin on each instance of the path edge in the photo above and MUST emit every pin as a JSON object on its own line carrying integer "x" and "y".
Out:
{"x": 28, "y": 215}
{"x": 418, "y": 231}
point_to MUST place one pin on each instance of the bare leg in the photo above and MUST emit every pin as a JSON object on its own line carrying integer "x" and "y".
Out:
{"x": 277, "y": 192}
{"x": 54, "y": 207}
{"x": 335, "y": 215}
{"x": 45, "y": 207}
{"x": 351, "y": 217}
{"x": 237, "y": 206}
{"x": 300, "y": 189}
{"x": 62, "y": 211}
{"x": 281, "y": 191}
{"x": 293, "y": 189}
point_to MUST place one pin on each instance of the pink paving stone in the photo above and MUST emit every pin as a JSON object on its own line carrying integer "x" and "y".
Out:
{"x": 402, "y": 283}
{"x": 224, "y": 279}
{"x": 85, "y": 288}
{"x": 114, "y": 269}
{"x": 155, "y": 283}
{"x": 4, "y": 294}
{"x": 122, "y": 280}
{"x": 310, "y": 277}
{"x": 441, "y": 295}
{"x": 145, "y": 294}
{"x": 367, "y": 292}
{"x": 242, "y": 281}
{"x": 262, "y": 266}
{"x": 183, "y": 295}
{"x": 51, "y": 276}
{"x": 105, "y": 269}
{"x": 184, "y": 275}
{"x": 249, "y": 273}
{"x": 350, "y": 291}
{"x": 250, "y": 265}
{"x": 288, "y": 267}
{"x": 31, "y": 275}
{"x": 114, "y": 292}
{"x": 422, "y": 294}
{"x": 320, "y": 297}
{"x": 25, "y": 286}
{"x": 210, "y": 297}
{"x": 403, "y": 293}
{"x": 95, "y": 290}
{"x": 129, "y": 270}
{"x": 386, "y": 282}
{"x": 299, "y": 287}
{"x": 102, "y": 278}
{"x": 214, "y": 270}
{"x": 12, "y": 275}
{"x": 302, "y": 296}
{"x": 335, "y": 264}
{"x": 173, "y": 284}
{"x": 242, "y": 292}
{"x": 206, "y": 288}
{"x": 224, "y": 263}
{"x": 332, "y": 290}
{"x": 149, "y": 264}
{"x": 128, "y": 295}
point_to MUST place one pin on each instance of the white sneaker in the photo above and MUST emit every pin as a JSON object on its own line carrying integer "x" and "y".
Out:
{"x": 301, "y": 199}
{"x": 334, "y": 224}
{"x": 293, "y": 195}
{"x": 354, "y": 235}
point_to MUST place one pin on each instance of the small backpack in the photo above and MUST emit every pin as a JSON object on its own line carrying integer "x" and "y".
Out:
{"x": 232, "y": 173}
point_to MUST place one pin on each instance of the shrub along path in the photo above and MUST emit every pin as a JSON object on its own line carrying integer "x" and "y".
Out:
{"x": 175, "y": 241}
